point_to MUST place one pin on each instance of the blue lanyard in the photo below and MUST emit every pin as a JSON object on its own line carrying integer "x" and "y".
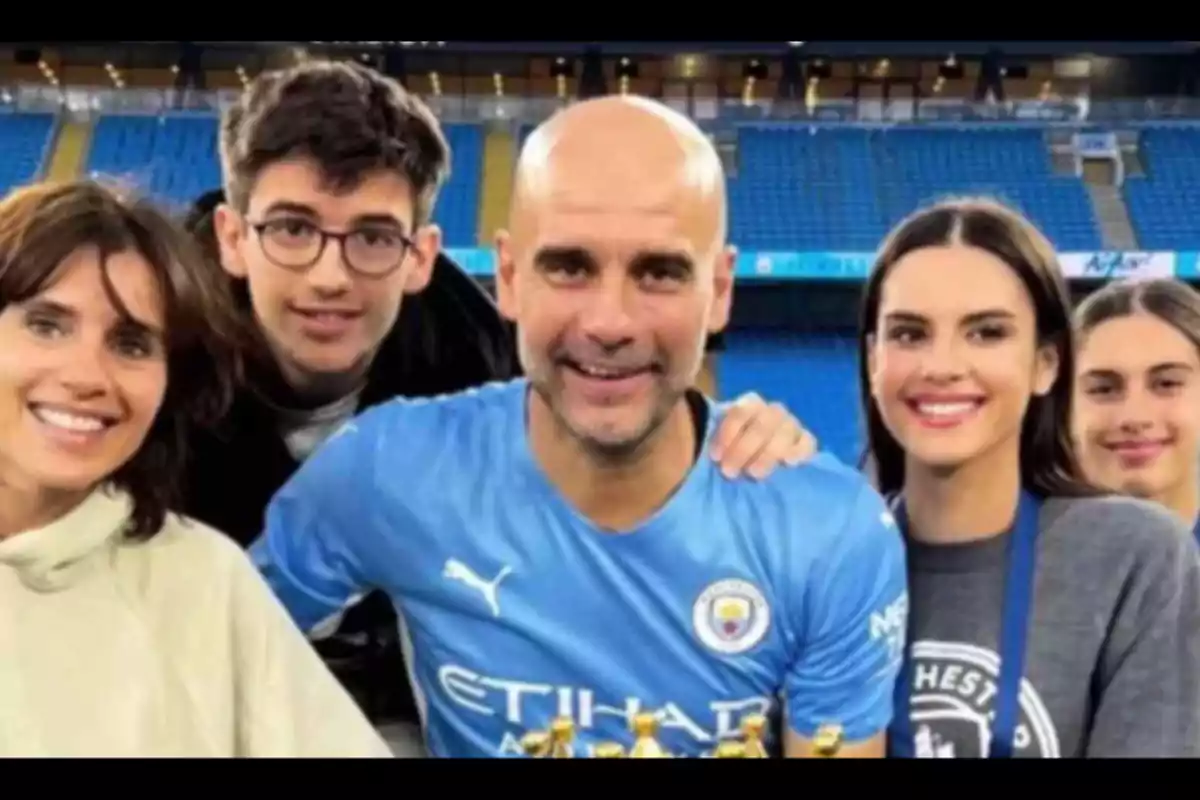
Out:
{"x": 1196, "y": 530}
{"x": 1014, "y": 634}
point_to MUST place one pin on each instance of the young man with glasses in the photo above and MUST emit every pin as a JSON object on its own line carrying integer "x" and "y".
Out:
{"x": 331, "y": 171}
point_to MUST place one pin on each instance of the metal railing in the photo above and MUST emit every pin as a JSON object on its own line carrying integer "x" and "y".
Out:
{"x": 92, "y": 100}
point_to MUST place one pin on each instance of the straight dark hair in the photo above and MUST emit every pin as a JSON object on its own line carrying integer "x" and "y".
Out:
{"x": 1048, "y": 463}
{"x": 1169, "y": 300}
{"x": 41, "y": 225}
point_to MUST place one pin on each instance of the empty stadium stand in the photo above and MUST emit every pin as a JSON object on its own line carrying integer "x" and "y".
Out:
{"x": 920, "y": 165}
{"x": 794, "y": 187}
{"x": 836, "y": 189}
{"x": 805, "y": 189}
{"x": 1164, "y": 204}
{"x": 457, "y": 210}
{"x": 24, "y": 139}
{"x": 813, "y": 373}
{"x": 176, "y": 158}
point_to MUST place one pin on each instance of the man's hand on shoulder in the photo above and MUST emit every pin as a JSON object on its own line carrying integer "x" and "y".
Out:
{"x": 755, "y": 437}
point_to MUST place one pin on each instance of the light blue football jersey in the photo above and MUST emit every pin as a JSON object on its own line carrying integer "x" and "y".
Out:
{"x": 738, "y": 596}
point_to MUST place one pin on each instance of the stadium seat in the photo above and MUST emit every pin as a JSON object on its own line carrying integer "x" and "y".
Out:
{"x": 805, "y": 189}
{"x": 175, "y": 158}
{"x": 921, "y": 165}
{"x": 813, "y": 373}
{"x": 1165, "y": 203}
{"x": 457, "y": 210}
{"x": 835, "y": 189}
{"x": 23, "y": 140}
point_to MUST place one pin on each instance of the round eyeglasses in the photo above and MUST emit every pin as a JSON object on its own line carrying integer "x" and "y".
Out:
{"x": 297, "y": 244}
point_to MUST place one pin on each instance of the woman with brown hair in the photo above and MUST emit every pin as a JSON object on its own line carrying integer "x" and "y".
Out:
{"x": 1137, "y": 394}
{"x": 1046, "y": 619}
{"x": 126, "y": 630}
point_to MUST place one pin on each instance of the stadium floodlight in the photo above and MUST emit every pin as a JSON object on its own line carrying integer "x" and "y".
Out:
{"x": 375, "y": 44}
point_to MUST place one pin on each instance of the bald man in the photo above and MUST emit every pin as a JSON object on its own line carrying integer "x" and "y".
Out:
{"x": 559, "y": 545}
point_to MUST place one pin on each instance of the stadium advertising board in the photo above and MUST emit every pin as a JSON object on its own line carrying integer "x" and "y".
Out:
{"x": 850, "y": 266}
{"x": 1116, "y": 265}
{"x": 1097, "y": 145}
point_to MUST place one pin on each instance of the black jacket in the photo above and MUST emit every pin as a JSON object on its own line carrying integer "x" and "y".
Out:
{"x": 448, "y": 338}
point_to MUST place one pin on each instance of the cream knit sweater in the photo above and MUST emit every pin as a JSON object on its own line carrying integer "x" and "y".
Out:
{"x": 173, "y": 647}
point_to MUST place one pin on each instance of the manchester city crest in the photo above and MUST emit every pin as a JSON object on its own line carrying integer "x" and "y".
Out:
{"x": 731, "y": 616}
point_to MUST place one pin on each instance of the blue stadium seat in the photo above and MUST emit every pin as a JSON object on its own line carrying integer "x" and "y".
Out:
{"x": 813, "y": 373}
{"x": 805, "y": 189}
{"x": 1014, "y": 165}
{"x": 175, "y": 158}
{"x": 812, "y": 188}
{"x": 457, "y": 210}
{"x": 23, "y": 140}
{"x": 1165, "y": 203}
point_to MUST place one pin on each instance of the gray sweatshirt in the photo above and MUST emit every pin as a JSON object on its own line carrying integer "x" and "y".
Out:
{"x": 1113, "y": 659}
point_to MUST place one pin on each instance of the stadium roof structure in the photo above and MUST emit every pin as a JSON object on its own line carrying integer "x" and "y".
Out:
{"x": 811, "y": 48}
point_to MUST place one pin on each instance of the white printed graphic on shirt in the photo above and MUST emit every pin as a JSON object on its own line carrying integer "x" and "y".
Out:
{"x": 953, "y": 702}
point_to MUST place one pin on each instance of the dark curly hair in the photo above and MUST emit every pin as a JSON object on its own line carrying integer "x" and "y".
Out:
{"x": 349, "y": 119}
{"x": 41, "y": 225}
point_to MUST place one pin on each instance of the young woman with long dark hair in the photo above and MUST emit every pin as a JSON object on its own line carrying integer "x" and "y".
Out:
{"x": 1046, "y": 618}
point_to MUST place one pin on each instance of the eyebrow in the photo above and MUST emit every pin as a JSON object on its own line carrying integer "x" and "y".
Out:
{"x": 290, "y": 207}
{"x": 124, "y": 321}
{"x": 670, "y": 259}
{"x": 563, "y": 254}
{"x": 50, "y": 307}
{"x": 1102, "y": 373}
{"x": 378, "y": 220}
{"x": 1112, "y": 374}
{"x": 1168, "y": 366}
{"x": 974, "y": 318}
{"x": 131, "y": 325}
{"x": 643, "y": 259}
{"x": 302, "y": 210}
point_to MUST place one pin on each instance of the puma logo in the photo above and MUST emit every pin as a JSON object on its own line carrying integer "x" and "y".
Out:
{"x": 455, "y": 570}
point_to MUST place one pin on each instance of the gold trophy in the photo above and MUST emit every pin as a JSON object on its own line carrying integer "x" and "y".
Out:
{"x": 730, "y": 749}
{"x": 562, "y": 737}
{"x": 536, "y": 744}
{"x": 608, "y": 750}
{"x": 828, "y": 740}
{"x": 754, "y": 731}
{"x": 558, "y": 742}
{"x": 644, "y": 727}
